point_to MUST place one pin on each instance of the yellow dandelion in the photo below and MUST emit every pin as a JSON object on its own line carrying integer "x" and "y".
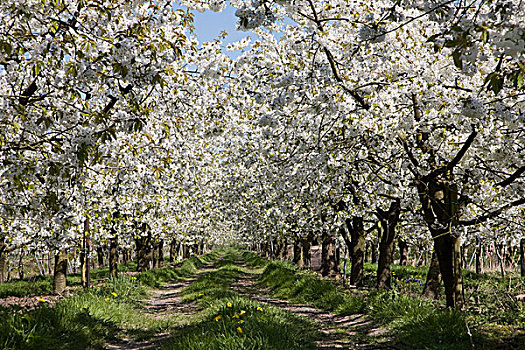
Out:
{"x": 218, "y": 317}
{"x": 259, "y": 308}
{"x": 114, "y": 294}
{"x": 235, "y": 316}
{"x": 107, "y": 299}
{"x": 239, "y": 330}
{"x": 241, "y": 321}
{"x": 201, "y": 295}
{"x": 242, "y": 312}
{"x": 42, "y": 300}
{"x": 228, "y": 304}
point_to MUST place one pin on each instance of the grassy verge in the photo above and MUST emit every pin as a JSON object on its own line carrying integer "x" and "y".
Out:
{"x": 415, "y": 322}
{"x": 89, "y": 318}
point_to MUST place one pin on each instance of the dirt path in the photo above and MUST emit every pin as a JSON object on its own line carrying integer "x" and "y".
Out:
{"x": 339, "y": 332}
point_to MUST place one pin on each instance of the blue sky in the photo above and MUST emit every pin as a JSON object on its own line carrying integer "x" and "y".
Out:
{"x": 209, "y": 24}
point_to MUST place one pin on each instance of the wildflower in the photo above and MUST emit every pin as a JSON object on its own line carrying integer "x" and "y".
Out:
{"x": 42, "y": 300}
{"x": 107, "y": 299}
{"x": 239, "y": 330}
{"x": 218, "y": 317}
{"x": 114, "y": 294}
{"x": 235, "y": 316}
{"x": 259, "y": 308}
{"x": 242, "y": 312}
{"x": 201, "y": 294}
{"x": 228, "y": 304}
{"x": 241, "y": 321}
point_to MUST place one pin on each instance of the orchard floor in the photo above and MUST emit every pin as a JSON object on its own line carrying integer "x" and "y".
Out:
{"x": 169, "y": 302}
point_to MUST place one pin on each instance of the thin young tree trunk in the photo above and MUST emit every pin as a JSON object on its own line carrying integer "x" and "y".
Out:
{"x": 433, "y": 283}
{"x": 373, "y": 247}
{"x": 307, "y": 254}
{"x": 59, "y": 277}
{"x": 328, "y": 255}
{"x": 100, "y": 256}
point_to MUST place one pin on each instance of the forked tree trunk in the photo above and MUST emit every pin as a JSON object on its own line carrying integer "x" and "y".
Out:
{"x": 59, "y": 277}
{"x": 388, "y": 222}
{"x": 433, "y": 283}
{"x": 403, "y": 252}
{"x": 113, "y": 257}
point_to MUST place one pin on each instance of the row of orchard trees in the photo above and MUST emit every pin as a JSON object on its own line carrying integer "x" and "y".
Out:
{"x": 106, "y": 134}
{"x": 404, "y": 117}
{"x": 399, "y": 116}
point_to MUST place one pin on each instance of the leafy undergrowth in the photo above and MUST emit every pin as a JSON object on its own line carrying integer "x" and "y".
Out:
{"x": 415, "y": 322}
{"x": 230, "y": 321}
{"x": 90, "y": 318}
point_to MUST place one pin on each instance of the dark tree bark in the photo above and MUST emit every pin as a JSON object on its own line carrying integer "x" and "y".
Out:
{"x": 479, "y": 257}
{"x": 433, "y": 283}
{"x": 113, "y": 257}
{"x": 307, "y": 254}
{"x": 160, "y": 253}
{"x": 59, "y": 276}
{"x": 297, "y": 253}
{"x": 173, "y": 250}
{"x": 522, "y": 257}
{"x": 373, "y": 247}
{"x": 100, "y": 256}
{"x": 403, "y": 252}
{"x": 143, "y": 244}
{"x": 388, "y": 221}
{"x": 3, "y": 260}
{"x": 328, "y": 255}
{"x": 356, "y": 246}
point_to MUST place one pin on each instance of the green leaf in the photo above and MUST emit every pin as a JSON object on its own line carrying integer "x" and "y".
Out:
{"x": 456, "y": 56}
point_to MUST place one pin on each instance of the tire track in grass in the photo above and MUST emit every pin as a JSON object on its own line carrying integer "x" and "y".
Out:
{"x": 338, "y": 331}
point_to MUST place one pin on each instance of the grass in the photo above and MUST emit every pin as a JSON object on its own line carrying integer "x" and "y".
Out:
{"x": 230, "y": 321}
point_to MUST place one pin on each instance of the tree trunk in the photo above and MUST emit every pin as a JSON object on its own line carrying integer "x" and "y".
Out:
{"x": 59, "y": 277}
{"x": 403, "y": 252}
{"x": 143, "y": 246}
{"x": 100, "y": 256}
{"x": 388, "y": 221}
{"x": 307, "y": 254}
{"x": 479, "y": 258}
{"x": 433, "y": 283}
{"x": 356, "y": 247}
{"x": 522, "y": 257}
{"x": 297, "y": 253}
{"x": 3, "y": 260}
{"x": 113, "y": 257}
{"x": 173, "y": 250}
{"x": 439, "y": 200}
{"x": 328, "y": 255}
{"x": 84, "y": 256}
{"x": 373, "y": 248}
{"x": 160, "y": 254}
{"x": 155, "y": 254}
